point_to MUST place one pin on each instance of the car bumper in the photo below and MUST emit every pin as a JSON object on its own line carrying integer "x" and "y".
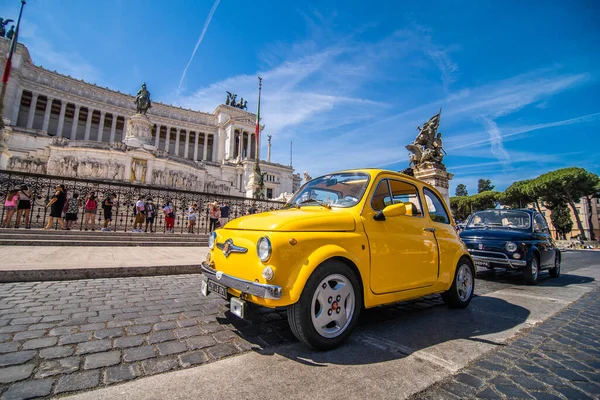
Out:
{"x": 253, "y": 288}
{"x": 496, "y": 258}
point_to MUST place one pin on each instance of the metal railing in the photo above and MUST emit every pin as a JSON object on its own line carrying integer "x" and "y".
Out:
{"x": 43, "y": 188}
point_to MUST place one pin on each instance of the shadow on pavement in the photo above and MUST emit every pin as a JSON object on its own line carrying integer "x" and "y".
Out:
{"x": 516, "y": 278}
{"x": 413, "y": 331}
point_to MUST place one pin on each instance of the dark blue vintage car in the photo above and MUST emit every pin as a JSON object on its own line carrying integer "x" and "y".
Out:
{"x": 512, "y": 239}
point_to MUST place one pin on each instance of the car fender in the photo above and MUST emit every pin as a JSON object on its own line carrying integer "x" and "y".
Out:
{"x": 318, "y": 257}
{"x": 446, "y": 276}
{"x": 531, "y": 251}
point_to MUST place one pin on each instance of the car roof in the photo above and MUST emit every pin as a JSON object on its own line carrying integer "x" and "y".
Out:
{"x": 376, "y": 171}
{"x": 527, "y": 210}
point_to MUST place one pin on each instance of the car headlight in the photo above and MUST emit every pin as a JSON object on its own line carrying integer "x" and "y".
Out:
{"x": 510, "y": 247}
{"x": 263, "y": 249}
{"x": 212, "y": 238}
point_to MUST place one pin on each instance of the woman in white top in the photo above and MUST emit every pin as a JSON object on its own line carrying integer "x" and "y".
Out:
{"x": 192, "y": 211}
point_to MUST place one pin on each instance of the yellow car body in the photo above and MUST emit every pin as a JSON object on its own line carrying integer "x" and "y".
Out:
{"x": 408, "y": 254}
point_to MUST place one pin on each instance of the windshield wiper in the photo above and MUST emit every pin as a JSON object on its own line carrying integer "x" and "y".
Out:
{"x": 319, "y": 202}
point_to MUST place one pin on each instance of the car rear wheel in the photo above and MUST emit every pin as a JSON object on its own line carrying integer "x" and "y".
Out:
{"x": 461, "y": 292}
{"x": 328, "y": 308}
{"x": 555, "y": 271}
{"x": 531, "y": 271}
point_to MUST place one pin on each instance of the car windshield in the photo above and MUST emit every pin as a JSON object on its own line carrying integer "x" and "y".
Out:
{"x": 335, "y": 190}
{"x": 499, "y": 219}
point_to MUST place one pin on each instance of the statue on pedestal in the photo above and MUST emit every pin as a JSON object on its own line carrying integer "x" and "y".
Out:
{"x": 142, "y": 100}
{"x": 427, "y": 147}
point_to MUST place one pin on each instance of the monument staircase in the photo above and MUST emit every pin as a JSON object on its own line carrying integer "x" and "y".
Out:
{"x": 38, "y": 237}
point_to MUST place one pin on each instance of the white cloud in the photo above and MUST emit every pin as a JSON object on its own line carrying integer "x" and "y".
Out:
{"x": 498, "y": 149}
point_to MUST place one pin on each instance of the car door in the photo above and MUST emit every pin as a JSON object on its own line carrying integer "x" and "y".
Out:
{"x": 439, "y": 221}
{"x": 404, "y": 255}
{"x": 544, "y": 240}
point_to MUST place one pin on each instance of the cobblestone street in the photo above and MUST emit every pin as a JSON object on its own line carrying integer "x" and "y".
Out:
{"x": 69, "y": 336}
{"x": 559, "y": 359}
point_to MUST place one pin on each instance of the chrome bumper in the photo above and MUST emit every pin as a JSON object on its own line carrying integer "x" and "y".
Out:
{"x": 256, "y": 289}
{"x": 504, "y": 261}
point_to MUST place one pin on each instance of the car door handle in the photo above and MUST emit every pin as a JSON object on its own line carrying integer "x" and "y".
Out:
{"x": 429, "y": 229}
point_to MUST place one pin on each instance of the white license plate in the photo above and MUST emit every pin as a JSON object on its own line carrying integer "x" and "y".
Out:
{"x": 482, "y": 264}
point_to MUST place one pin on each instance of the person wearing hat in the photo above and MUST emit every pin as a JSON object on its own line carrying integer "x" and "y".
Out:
{"x": 150, "y": 213}
{"x": 214, "y": 213}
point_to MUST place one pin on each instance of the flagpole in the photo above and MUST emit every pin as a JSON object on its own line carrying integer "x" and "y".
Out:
{"x": 257, "y": 131}
{"x": 8, "y": 65}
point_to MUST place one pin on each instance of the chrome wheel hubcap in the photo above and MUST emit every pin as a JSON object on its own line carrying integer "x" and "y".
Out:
{"x": 332, "y": 306}
{"x": 534, "y": 268}
{"x": 557, "y": 264}
{"x": 464, "y": 282}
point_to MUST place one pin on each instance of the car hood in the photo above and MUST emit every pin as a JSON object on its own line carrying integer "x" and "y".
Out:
{"x": 305, "y": 219}
{"x": 495, "y": 234}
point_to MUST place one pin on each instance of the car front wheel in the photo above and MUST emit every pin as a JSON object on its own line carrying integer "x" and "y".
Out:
{"x": 531, "y": 271}
{"x": 328, "y": 308}
{"x": 461, "y": 292}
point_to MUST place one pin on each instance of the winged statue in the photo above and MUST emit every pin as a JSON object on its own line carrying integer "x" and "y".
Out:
{"x": 3, "y": 23}
{"x": 427, "y": 146}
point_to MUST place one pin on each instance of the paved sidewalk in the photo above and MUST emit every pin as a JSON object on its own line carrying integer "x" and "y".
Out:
{"x": 559, "y": 359}
{"x": 35, "y": 263}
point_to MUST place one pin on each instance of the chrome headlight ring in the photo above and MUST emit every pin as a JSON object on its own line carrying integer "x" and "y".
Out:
{"x": 511, "y": 247}
{"x": 264, "y": 249}
{"x": 212, "y": 239}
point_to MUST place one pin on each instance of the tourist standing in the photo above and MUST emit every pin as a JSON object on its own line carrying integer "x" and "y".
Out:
{"x": 24, "y": 206}
{"x": 252, "y": 209}
{"x": 150, "y": 213}
{"x": 169, "y": 212}
{"x": 90, "y": 210}
{"x": 224, "y": 215}
{"x": 10, "y": 206}
{"x": 56, "y": 205}
{"x": 139, "y": 211}
{"x": 72, "y": 205}
{"x": 192, "y": 211}
{"x": 214, "y": 213}
{"x": 107, "y": 207}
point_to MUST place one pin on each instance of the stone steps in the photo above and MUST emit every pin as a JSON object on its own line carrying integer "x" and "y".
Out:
{"x": 36, "y": 237}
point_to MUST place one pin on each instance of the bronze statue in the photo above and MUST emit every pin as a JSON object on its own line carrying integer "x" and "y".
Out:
{"x": 231, "y": 101}
{"x": 11, "y": 32}
{"x": 427, "y": 146}
{"x": 3, "y": 23}
{"x": 142, "y": 100}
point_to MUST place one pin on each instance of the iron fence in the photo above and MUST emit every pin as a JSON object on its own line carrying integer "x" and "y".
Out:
{"x": 43, "y": 188}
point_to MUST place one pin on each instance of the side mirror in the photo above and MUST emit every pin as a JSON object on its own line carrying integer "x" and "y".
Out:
{"x": 390, "y": 211}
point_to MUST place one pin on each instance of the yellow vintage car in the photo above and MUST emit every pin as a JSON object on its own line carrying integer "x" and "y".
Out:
{"x": 346, "y": 241}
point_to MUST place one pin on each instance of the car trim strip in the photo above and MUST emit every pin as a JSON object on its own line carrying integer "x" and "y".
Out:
{"x": 256, "y": 289}
{"x": 505, "y": 260}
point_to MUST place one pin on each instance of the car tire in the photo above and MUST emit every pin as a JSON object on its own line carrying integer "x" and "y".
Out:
{"x": 315, "y": 319}
{"x": 461, "y": 292}
{"x": 555, "y": 271}
{"x": 531, "y": 272}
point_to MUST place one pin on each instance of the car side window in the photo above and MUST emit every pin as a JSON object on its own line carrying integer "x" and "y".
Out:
{"x": 405, "y": 193}
{"x": 381, "y": 198}
{"x": 435, "y": 206}
{"x": 540, "y": 224}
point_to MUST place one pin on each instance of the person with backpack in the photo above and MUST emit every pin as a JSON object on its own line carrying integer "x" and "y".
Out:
{"x": 90, "y": 210}
{"x": 150, "y": 213}
{"x": 139, "y": 210}
{"x": 107, "y": 207}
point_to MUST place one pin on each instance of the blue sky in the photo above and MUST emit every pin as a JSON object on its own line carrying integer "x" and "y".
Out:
{"x": 349, "y": 81}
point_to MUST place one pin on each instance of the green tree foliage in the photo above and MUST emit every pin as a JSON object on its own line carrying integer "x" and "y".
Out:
{"x": 463, "y": 206}
{"x": 461, "y": 190}
{"x": 484, "y": 185}
{"x": 561, "y": 219}
{"x": 567, "y": 186}
{"x": 520, "y": 194}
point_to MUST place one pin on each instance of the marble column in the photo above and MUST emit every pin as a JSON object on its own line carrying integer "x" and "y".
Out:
{"x": 47, "y": 112}
{"x": 125, "y": 120}
{"x": 101, "y": 126}
{"x": 61, "y": 118}
{"x": 75, "y": 122}
{"x": 249, "y": 146}
{"x": 205, "y": 150}
{"x": 88, "y": 124}
{"x": 241, "y": 146}
{"x": 16, "y": 107}
{"x": 32, "y": 107}
{"x": 186, "y": 150}
{"x": 167, "y": 139}
{"x": 196, "y": 137}
{"x": 113, "y": 129}
{"x": 157, "y": 138}
{"x": 177, "y": 132}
